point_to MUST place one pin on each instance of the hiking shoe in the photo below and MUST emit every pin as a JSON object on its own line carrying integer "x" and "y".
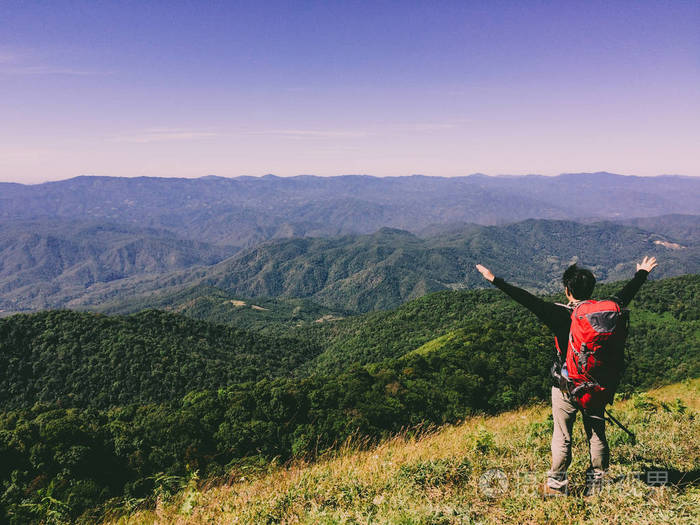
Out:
{"x": 548, "y": 492}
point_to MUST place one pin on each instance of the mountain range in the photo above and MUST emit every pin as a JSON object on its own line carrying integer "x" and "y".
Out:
{"x": 351, "y": 243}
{"x": 244, "y": 211}
{"x": 123, "y": 269}
{"x": 382, "y": 270}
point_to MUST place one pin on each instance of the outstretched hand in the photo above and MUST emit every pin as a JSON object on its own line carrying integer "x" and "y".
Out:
{"x": 648, "y": 264}
{"x": 485, "y": 272}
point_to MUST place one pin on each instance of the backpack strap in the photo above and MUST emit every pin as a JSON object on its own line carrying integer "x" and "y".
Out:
{"x": 576, "y": 390}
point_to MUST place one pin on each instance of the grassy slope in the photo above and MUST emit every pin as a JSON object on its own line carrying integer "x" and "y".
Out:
{"x": 434, "y": 478}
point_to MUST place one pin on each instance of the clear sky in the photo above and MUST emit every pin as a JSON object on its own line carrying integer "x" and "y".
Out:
{"x": 444, "y": 88}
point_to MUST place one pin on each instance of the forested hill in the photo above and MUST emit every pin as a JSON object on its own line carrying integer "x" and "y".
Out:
{"x": 118, "y": 269}
{"x": 383, "y": 270}
{"x": 674, "y": 226}
{"x": 267, "y": 315}
{"x": 47, "y": 263}
{"x": 174, "y": 402}
{"x": 80, "y": 359}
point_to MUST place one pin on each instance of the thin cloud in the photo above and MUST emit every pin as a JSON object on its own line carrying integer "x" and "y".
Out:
{"x": 312, "y": 133}
{"x": 48, "y": 70}
{"x": 12, "y": 63}
{"x": 432, "y": 126}
{"x": 6, "y": 57}
{"x": 163, "y": 135}
{"x": 419, "y": 127}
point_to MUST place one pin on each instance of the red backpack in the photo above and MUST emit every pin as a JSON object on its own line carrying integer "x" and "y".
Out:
{"x": 595, "y": 356}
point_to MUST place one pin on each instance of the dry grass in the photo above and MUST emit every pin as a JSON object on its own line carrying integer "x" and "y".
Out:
{"x": 434, "y": 478}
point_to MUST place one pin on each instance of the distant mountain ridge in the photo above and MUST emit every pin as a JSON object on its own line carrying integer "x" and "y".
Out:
{"x": 245, "y": 211}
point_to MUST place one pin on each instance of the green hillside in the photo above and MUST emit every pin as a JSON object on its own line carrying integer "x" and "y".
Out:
{"x": 665, "y": 310}
{"x": 122, "y": 269}
{"x": 48, "y": 263}
{"x": 445, "y": 476}
{"x": 109, "y": 410}
{"x": 218, "y": 306}
{"x": 675, "y": 226}
{"x": 383, "y": 270}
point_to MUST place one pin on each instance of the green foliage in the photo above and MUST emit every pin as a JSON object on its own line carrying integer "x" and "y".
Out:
{"x": 483, "y": 441}
{"x": 539, "y": 429}
{"x": 101, "y": 409}
{"x": 434, "y": 473}
{"x": 77, "y": 359}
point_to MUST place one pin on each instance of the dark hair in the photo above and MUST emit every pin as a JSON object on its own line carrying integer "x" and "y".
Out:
{"x": 579, "y": 281}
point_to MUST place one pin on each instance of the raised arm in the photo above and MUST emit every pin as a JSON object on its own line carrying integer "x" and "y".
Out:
{"x": 549, "y": 313}
{"x": 631, "y": 288}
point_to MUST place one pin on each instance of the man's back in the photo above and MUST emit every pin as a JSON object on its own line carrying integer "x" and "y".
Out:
{"x": 557, "y": 317}
{"x": 579, "y": 284}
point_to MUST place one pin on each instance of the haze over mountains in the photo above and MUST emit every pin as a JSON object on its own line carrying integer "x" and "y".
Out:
{"x": 377, "y": 242}
{"x": 246, "y": 210}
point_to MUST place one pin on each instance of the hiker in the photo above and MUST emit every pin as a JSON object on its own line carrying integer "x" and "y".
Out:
{"x": 578, "y": 286}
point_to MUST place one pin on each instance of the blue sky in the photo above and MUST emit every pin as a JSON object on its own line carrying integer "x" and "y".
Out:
{"x": 188, "y": 89}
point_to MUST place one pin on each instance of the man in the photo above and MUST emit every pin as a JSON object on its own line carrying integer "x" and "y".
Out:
{"x": 578, "y": 286}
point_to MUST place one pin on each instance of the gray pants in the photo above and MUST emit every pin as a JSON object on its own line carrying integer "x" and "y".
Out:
{"x": 564, "y": 414}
